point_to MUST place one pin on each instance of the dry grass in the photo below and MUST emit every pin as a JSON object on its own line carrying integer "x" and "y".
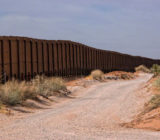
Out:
{"x": 142, "y": 68}
{"x": 11, "y": 93}
{"x": 14, "y": 92}
{"x": 157, "y": 83}
{"x": 155, "y": 69}
{"x": 153, "y": 103}
{"x": 48, "y": 86}
{"x": 97, "y": 75}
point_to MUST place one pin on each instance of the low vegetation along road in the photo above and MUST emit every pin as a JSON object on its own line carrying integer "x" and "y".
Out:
{"x": 95, "y": 112}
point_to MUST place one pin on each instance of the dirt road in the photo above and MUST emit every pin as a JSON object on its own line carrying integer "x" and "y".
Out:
{"x": 92, "y": 113}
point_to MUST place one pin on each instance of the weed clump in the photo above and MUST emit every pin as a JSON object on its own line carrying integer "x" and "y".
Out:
{"x": 48, "y": 86}
{"x": 155, "y": 69}
{"x": 97, "y": 75}
{"x": 14, "y": 92}
{"x": 142, "y": 68}
{"x": 11, "y": 93}
{"x": 153, "y": 103}
{"x": 157, "y": 83}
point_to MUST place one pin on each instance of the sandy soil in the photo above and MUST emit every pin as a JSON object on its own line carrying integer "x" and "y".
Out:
{"x": 95, "y": 112}
{"x": 147, "y": 119}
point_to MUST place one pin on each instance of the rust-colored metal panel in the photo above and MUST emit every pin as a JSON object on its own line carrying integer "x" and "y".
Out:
{"x": 60, "y": 59}
{"x": 6, "y": 57}
{"x": 99, "y": 64}
{"x": 75, "y": 58}
{"x": 111, "y": 61}
{"x": 56, "y": 64}
{"x": 94, "y": 58}
{"x": 89, "y": 59}
{"x": 103, "y": 58}
{"x": 71, "y": 58}
{"x": 50, "y": 57}
{"x": 91, "y": 65}
{"x": 40, "y": 57}
{"x": 99, "y": 59}
{"x": 88, "y": 63}
{"x": 28, "y": 59}
{"x": 63, "y": 53}
{"x": 53, "y": 61}
{"x": 78, "y": 59}
{"x": 106, "y": 61}
{"x": 68, "y": 62}
{"x": 21, "y": 59}
{"x": 86, "y": 59}
{"x": 81, "y": 59}
{"x": 45, "y": 57}
{"x": 1, "y": 75}
{"x": 14, "y": 58}
{"x": 34, "y": 57}
{"x": 116, "y": 61}
{"x": 25, "y": 56}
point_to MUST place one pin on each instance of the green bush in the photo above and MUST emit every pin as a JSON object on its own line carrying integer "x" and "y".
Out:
{"x": 142, "y": 68}
{"x": 97, "y": 74}
{"x": 155, "y": 69}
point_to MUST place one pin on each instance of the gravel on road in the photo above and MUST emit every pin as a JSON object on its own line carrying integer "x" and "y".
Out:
{"x": 93, "y": 113}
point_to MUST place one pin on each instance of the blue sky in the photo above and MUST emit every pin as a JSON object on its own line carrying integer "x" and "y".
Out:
{"x": 127, "y": 26}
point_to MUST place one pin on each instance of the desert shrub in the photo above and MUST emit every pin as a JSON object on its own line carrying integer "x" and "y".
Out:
{"x": 97, "y": 74}
{"x": 11, "y": 93}
{"x": 39, "y": 85}
{"x": 142, "y": 68}
{"x": 157, "y": 83}
{"x": 154, "y": 102}
{"x": 155, "y": 69}
{"x": 14, "y": 92}
{"x": 47, "y": 86}
{"x": 56, "y": 84}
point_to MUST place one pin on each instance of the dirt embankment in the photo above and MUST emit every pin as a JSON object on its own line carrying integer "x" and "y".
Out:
{"x": 149, "y": 118}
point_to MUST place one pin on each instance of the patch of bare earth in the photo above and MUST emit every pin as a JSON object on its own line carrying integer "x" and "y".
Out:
{"x": 122, "y": 75}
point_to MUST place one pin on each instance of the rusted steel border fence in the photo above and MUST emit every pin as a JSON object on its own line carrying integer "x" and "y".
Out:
{"x": 24, "y": 58}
